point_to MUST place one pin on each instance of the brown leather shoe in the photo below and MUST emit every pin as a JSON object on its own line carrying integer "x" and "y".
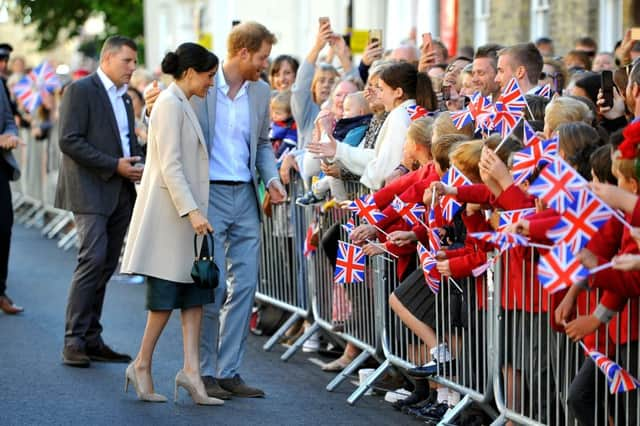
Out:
{"x": 7, "y": 306}
{"x": 213, "y": 388}
{"x": 105, "y": 354}
{"x": 75, "y": 357}
{"x": 237, "y": 387}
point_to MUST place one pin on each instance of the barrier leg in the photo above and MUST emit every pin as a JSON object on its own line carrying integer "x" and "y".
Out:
{"x": 30, "y": 212}
{"x": 281, "y": 331}
{"x": 298, "y": 344}
{"x": 37, "y": 220}
{"x": 52, "y": 223}
{"x": 348, "y": 370}
{"x": 355, "y": 396}
{"x": 67, "y": 238}
{"x": 499, "y": 421}
{"x": 453, "y": 412}
{"x": 68, "y": 218}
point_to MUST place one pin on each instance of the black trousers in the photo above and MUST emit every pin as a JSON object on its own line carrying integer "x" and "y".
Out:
{"x": 101, "y": 239}
{"x": 583, "y": 398}
{"x": 6, "y": 222}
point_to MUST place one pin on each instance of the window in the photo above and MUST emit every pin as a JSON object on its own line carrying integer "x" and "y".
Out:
{"x": 482, "y": 10}
{"x": 610, "y": 24}
{"x": 539, "y": 19}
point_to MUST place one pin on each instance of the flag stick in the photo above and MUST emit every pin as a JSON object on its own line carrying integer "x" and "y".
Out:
{"x": 540, "y": 246}
{"x": 381, "y": 247}
{"x": 600, "y": 268}
{"x": 380, "y": 229}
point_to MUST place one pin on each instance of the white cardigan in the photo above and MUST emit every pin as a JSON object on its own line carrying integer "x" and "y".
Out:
{"x": 374, "y": 165}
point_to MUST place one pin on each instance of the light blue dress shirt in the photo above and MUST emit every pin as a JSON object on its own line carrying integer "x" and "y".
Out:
{"x": 229, "y": 150}
{"x": 119, "y": 110}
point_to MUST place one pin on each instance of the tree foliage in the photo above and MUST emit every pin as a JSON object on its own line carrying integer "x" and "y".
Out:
{"x": 53, "y": 18}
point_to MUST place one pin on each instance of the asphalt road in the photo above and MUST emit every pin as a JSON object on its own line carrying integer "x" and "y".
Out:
{"x": 36, "y": 389}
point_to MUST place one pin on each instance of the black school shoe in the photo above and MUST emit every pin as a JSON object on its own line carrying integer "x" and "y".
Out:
{"x": 433, "y": 413}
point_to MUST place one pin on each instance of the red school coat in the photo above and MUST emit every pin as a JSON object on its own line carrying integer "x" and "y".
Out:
{"x": 521, "y": 290}
{"x": 614, "y": 238}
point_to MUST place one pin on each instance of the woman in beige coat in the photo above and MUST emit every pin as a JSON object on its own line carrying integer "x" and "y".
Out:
{"x": 172, "y": 203}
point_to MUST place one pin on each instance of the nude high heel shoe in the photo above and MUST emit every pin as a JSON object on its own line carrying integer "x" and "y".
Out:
{"x": 201, "y": 399}
{"x": 130, "y": 376}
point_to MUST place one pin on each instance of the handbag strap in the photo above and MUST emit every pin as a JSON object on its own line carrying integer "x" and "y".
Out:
{"x": 209, "y": 237}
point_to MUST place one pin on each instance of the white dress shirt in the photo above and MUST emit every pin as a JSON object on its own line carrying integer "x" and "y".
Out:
{"x": 229, "y": 150}
{"x": 119, "y": 110}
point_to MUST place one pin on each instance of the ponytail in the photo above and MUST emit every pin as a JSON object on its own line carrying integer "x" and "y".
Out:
{"x": 424, "y": 92}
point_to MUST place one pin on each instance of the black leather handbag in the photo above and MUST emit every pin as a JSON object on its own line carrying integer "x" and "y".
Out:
{"x": 204, "y": 272}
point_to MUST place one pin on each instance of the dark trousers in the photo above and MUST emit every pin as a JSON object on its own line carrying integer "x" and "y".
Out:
{"x": 101, "y": 239}
{"x": 583, "y": 399}
{"x": 6, "y": 222}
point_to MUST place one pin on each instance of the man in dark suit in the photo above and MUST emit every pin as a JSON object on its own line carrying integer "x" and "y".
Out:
{"x": 8, "y": 171}
{"x": 96, "y": 183}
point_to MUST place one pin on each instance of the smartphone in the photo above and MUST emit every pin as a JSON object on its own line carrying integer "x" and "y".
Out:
{"x": 427, "y": 40}
{"x": 635, "y": 33}
{"x": 375, "y": 36}
{"x": 466, "y": 101}
{"x": 606, "y": 83}
{"x": 324, "y": 20}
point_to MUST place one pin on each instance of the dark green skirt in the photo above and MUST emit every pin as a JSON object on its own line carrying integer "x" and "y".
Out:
{"x": 164, "y": 295}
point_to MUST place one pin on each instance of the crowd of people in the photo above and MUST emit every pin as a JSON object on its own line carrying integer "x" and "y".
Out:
{"x": 207, "y": 150}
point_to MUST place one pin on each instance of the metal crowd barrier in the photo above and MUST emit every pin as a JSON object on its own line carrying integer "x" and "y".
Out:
{"x": 537, "y": 391}
{"x": 283, "y": 278}
{"x": 509, "y": 359}
{"x": 34, "y": 192}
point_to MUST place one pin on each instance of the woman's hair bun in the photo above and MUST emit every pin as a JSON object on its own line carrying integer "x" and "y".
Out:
{"x": 170, "y": 63}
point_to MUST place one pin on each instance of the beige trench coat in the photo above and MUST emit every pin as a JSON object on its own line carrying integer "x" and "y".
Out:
{"x": 175, "y": 181}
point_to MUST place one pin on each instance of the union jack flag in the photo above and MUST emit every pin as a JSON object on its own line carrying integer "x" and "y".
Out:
{"x": 504, "y": 240}
{"x": 480, "y": 105}
{"x": 366, "y": 208}
{"x": 580, "y": 221}
{"x": 526, "y": 160}
{"x": 544, "y": 91}
{"x": 559, "y": 268}
{"x": 411, "y": 212}
{"x": 449, "y": 204}
{"x": 619, "y": 379}
{"x": 461, "y": 118}
{"x": 509, "y": 109}
{"x": 510, "y": 217}
{"x": 476, "y": 272}
{"x": 349, "y": 226}
{"x": 530, "y": 136}
{"x": 504, "y": 120}
{"x": 431, "y": 221}
{"x": 30, "y": 88}
{"x": 557, "y": 184}
{"x": 428, "y": 261}
{"x": 482, "y": 111}
{"x": 416, "y": 111}
{"x": 349, "y": 264}
{"x": 434, "y": 239}
{"x": 512, "y": 98}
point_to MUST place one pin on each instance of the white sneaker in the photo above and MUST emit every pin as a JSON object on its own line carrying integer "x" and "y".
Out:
{"x": 396, "y": 395}
{"x": 312, "y": 344}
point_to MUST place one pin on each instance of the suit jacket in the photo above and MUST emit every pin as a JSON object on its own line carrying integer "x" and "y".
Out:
{"x": 8, "y": 125}
{"x": 90, "y": 144}
{"x": 175, "y": 182}
{"x": 261, "y": 158}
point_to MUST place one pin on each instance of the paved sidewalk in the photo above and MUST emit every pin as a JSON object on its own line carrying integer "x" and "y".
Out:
{"x": 38, "y": 390}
